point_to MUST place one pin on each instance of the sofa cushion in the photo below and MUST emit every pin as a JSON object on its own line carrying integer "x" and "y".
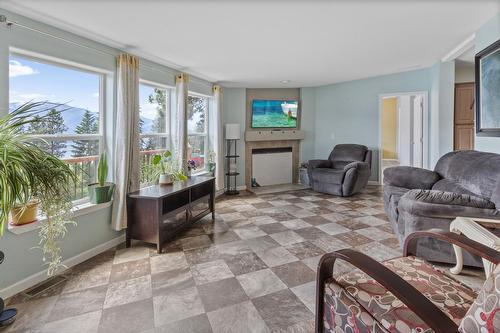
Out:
{"x": 484, "y": 314}
{"x": 477, "y": 171}
{"x": 449, "y": 295}
{"x": 327, "y": 175}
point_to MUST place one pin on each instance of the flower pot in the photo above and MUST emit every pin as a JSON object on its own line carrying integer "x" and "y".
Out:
{"x": 24, "y": 214}
{"x": 188, "y": 173}
{"x": 165, "y": 179}
{"x": 101, "y": 194}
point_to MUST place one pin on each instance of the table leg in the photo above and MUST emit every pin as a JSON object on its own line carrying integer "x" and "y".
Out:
{"x": 455, "y": 227}
{"x": 478, "y": 233}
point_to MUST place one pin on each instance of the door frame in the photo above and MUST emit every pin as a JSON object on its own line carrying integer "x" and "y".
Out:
{"x": 425, "y": 125}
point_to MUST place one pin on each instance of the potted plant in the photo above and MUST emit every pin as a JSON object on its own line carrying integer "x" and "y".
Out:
{"x": 211, "y": 163}
{"x": 191, "y": 165}
{"x": 101, "y": 191}
{"x": 27, "y": 173}
{"x": 169, "y": 172}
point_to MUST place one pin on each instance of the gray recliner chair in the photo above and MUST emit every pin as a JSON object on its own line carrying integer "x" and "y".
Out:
{"x": 344, "y": 173}
{"x": 463, "y": 183}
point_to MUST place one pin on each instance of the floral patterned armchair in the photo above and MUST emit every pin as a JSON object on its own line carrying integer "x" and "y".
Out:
{"x": 405, "y": 294}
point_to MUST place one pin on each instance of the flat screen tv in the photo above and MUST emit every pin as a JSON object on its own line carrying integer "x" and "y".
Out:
{"x": 274, "y": 113}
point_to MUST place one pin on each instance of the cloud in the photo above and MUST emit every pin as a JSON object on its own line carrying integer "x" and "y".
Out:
{"x": 148, "y": 110}
{"x": 18, "y": 69}
{"x": 95, "y": 95}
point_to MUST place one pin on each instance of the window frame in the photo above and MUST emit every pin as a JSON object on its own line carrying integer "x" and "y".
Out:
{"x": 205, "y": 131}
{"x": 166, "y": 134}
{"x": 70, "y": 65}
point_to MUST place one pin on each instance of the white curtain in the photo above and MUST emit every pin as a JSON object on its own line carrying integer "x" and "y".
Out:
{"x": 126, "y": 153}
{"x": 181, "y": 129}
{"x": 218, "y": 136}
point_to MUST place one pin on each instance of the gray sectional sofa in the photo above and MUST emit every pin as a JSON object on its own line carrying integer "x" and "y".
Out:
{"x": 344, "y": 173}
{"x": 463, "y": 183}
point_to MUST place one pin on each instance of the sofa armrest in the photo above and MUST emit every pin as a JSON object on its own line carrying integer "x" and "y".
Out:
{"x": 449, "y": 198}
{"x": 357, "y": 165}
{"x": 410, "y": 177}
{"x": 448, "y": 205}
{"x": 319, "y": 164}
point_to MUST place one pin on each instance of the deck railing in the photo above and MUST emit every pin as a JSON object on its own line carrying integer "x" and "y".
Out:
{"x": 85, "y": 169}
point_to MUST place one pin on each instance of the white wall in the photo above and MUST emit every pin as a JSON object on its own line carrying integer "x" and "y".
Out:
{"x": 464, "y": 72}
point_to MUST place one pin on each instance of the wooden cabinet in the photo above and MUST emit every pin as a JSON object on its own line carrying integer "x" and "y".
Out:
{"x": 156, "y": 214}
{"x": 464, "y": 130}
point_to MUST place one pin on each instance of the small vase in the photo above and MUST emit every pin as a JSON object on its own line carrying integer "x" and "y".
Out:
{"x": 188, "y": 173}
{"x": 165, "y": 179}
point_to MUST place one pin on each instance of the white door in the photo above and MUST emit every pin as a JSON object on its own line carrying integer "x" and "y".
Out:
{"x": 404, "y": 130}
{"x": 418, "y": 133}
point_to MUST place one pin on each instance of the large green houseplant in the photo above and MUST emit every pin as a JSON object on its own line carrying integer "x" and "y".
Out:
{"x": 29, "y": 173}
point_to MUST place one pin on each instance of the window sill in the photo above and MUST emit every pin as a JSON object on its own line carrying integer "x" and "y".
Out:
{"x": 78, "y": 210}
{"x": 201, "y": 173}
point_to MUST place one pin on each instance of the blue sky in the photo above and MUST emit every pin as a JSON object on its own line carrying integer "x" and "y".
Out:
{"x": 36, "y": 81}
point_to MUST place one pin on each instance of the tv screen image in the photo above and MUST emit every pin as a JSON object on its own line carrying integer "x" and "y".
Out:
{"x": 274, "y": 113}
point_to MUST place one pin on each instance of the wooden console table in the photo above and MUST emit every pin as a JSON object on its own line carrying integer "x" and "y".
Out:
{"x": 158, "y": 213}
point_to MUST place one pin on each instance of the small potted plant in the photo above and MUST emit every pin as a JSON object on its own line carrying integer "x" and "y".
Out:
{"x": 168, "y": 170}
{"x": 191, "y": 165}
{"x": 101, "y": 191}
{"x": 211, "y": 163}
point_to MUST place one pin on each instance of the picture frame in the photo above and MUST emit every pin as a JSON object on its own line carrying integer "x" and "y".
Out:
{"x": 487, "y": 73}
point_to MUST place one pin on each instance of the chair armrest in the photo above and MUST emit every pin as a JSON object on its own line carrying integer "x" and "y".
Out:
{"x": 319, "y": 164}
{"x": 473, "y": 247}
{"x": 357, "y": 165}
{"x": 411, "y": 297}
{"x": 410, "y": 177}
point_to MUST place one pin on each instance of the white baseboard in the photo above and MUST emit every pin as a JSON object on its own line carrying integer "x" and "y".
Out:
{"x": 241, "y": 187}
{"x": 373, "y": 182}
{"x": 41, "y": 276}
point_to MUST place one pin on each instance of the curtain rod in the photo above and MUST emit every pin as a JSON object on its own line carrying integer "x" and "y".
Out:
{"x": 9, "y": 24}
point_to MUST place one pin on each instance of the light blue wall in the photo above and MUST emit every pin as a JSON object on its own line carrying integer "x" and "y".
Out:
{"x": 348, "y": 112}
{"x": 487, "y": 35}
{"x": 23, "y": 260}
{"x": 308, "y": 123}
{"x": 234, "y": 105}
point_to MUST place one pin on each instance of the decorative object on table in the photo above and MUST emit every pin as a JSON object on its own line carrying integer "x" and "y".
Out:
{"x": 101, "y": 191}
{"x": 168, "y": 170}
{"x": 7, "y": 316}
{"x": 232, "y": 137}
{"x": 211, "y": 163}
{"x": 32, "y": 173}
{"x": 475, "y": 229}
{"x": 488, "y": 91}
{"x": 303, "y": 176}
{"x": 462, "y": 183}
{"x": 344, "y": 173}
{"x": 377, "y": 297}
{"x": 191, "y": 165}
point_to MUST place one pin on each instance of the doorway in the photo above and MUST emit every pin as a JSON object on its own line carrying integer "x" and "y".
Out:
{"x": 403, "y": 130}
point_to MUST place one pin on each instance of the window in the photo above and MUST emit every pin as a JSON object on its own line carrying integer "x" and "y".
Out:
{"x": 72, "y": 100}
{"x": 197, "y": 130}
{"x": 153, "y": 126}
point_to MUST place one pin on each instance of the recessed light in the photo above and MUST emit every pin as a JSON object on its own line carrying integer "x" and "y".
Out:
{"x": 285, "y": 81}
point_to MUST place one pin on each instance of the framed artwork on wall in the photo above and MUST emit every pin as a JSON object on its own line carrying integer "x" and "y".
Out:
{"x": 487, "y": 64}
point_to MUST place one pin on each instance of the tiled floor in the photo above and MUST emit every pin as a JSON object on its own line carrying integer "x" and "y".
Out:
{"x": 250, "y": 270}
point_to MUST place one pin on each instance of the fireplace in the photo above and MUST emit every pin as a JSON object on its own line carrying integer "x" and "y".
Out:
{"x": 272, "y": 166}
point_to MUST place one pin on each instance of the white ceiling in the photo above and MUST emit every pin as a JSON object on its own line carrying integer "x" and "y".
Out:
{"x": 260, "y": 43}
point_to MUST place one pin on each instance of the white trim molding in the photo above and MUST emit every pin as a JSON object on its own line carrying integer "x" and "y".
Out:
{"x": 460, "y": 49}
{"x": 41, "y": 276}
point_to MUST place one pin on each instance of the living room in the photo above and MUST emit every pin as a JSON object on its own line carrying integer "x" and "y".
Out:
{"x": 224, "y": 166}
